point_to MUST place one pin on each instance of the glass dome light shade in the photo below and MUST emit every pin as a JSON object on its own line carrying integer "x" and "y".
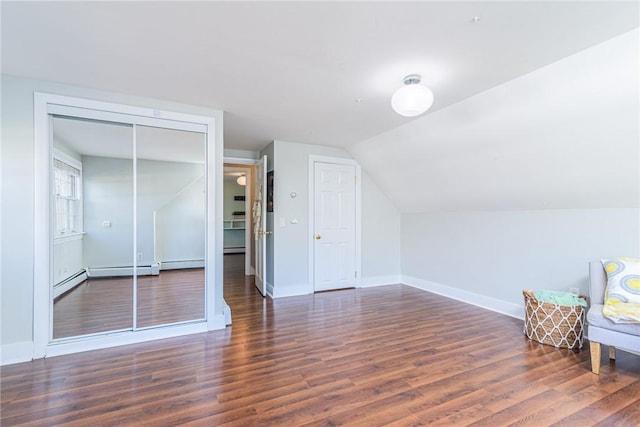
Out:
{"x": 242, "y": 180}
{"x": 412, "y": 100}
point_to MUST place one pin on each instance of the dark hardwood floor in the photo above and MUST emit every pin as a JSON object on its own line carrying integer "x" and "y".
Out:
{"x": 389, "y": 355}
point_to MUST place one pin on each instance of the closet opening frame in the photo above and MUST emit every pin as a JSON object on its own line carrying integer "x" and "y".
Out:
{"x": 45, "y": 106}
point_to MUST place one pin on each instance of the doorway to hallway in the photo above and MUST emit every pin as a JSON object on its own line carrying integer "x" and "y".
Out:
{"x": 240, "y": 292}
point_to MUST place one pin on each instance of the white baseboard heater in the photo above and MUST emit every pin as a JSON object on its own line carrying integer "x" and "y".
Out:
{"x": 147, "y": 270}
{"x": 68, "y": 284}
{"x": 182, "y": 264}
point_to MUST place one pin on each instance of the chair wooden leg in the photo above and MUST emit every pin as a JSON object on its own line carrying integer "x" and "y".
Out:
{"x": 612, "y": 352}
{"x": 595, "y": 357}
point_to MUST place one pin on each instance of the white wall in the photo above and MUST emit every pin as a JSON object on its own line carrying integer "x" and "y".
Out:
{"x": 16, "y": 291}
{"x": 488, "y": 258}
{"x": 380, "y": 224}
{"x": 381, "y": 238}
{"x": 17, "y": 210}
{"x": 240, "y": 154}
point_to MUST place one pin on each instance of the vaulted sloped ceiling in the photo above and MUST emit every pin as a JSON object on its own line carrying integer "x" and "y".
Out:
{"x": 565, "y": 136}
{"x": 323, "y": 73}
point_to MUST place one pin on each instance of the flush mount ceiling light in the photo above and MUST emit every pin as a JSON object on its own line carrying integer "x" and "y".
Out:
{"x": 242, "y": 180}
{"x": 412, "y": 99}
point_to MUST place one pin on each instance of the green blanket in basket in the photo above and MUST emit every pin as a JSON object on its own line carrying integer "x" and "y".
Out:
{"x": 559, "y": 298}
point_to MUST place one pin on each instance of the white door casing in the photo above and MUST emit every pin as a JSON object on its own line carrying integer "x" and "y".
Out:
{"x": 335, "y": 201}
{"x": 260, "y": 232}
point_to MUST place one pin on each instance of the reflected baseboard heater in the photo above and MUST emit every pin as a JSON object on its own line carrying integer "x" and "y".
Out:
{"x": 68, "y": 284}
{"x": 143, "y": 270}
{"x": 182, "y": 264}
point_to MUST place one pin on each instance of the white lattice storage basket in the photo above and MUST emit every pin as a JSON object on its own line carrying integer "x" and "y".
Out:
{"x": 552, "y": 324}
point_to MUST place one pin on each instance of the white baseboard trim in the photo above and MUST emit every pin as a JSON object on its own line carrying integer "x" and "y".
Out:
{"x": 179, "y": 265}
{"x": 122, "y": 338}
{"x": 291, "y": 290}
{"x": 306, "y": 289}
{"x": 490, "y": 303}
{"x": 66, "y": 286}
{"x": 16, "y": 353}
{"x": 227, "y": 314}
{"x": 269, "y": 289}
{"x": 367, "y": 282}
{"x": 218, "y": 321}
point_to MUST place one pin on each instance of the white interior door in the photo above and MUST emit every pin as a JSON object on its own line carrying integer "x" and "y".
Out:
{"x": 260, "y": 224}
{"x": 334, "y": 225}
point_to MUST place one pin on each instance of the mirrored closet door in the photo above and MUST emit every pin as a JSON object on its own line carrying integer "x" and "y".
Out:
{"x": 170, "y": 224}
{"x": 92, "y": 212}
{"x": 128, "y": 213}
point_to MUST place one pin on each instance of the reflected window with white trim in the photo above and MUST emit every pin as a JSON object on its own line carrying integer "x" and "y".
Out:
{"x": 68, "y": 201}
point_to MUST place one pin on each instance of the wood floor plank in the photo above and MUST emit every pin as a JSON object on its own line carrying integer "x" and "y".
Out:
{"x": 629, "y": 415}
{"x": 382, "y": 356}
{"x": 380, "y": 412}
{"x": 612, "y": 407}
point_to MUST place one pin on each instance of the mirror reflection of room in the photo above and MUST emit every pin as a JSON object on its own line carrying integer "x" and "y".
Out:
{"x": 111, "y": 272}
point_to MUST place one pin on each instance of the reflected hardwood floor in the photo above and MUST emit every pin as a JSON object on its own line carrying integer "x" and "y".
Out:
{"x": 389, "y": 355}
{"x": 100, "y": 305}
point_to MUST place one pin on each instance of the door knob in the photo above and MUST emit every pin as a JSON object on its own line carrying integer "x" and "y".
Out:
{"x": 264, "y": 232}
{"x": 318, "y": 237}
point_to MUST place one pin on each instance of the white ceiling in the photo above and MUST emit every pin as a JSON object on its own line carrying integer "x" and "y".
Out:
{"x": 311, "y": 72}
{"x": 324, "y": 72}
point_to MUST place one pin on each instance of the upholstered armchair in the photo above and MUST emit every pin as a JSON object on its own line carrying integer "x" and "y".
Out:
{"x": 601, "y": 330}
